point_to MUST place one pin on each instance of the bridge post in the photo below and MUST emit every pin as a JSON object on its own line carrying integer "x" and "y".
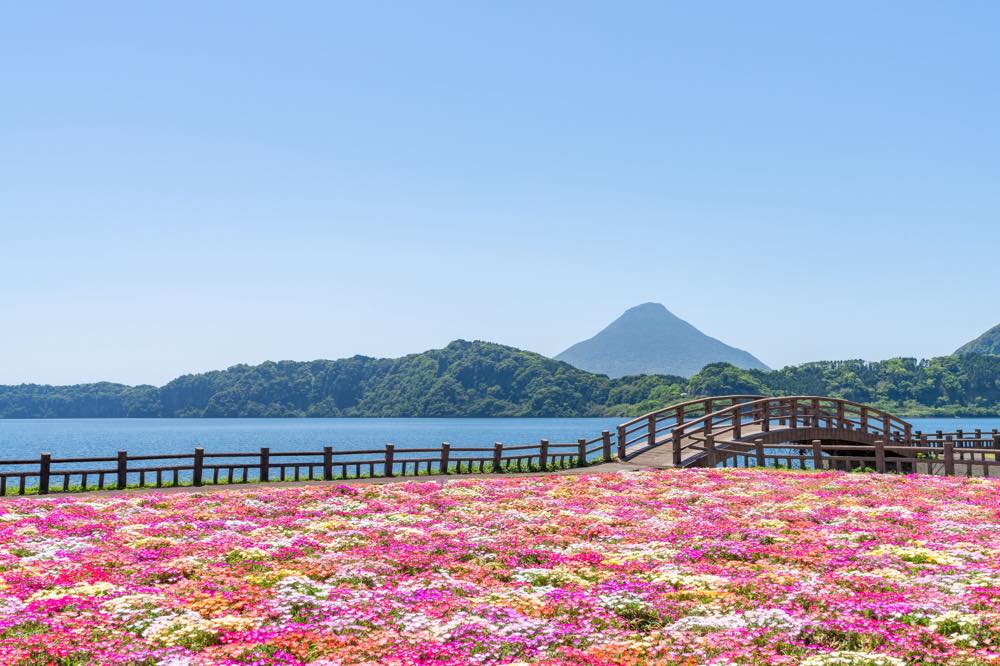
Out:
{"x": 864, "y": 419}
{"x": 737, "y": 421}
{"x": 949, "y": 456}
{"x": 621, "y": 442}
{"x": 710, "y": 450}
{"x": 840, "y": 414}
{"x": 708, "y": 424}
{"x": 996, "y": 441}
{"x": 817, "y": 453}
{"x": 908, "y": 434}
{"x": 680, "y": 415}
{"x": 815, "y": 416}
{"x": 765, "y": 417}
{"x": 793, "y": 420}
{"x": 651, "y": 434}
{"x": 886, "y": 429}
{"x": 676, "y": 437}
{"x": 759, "y": 450}
{"x": 606, "y": 445}
{"x": 880, "y": 456}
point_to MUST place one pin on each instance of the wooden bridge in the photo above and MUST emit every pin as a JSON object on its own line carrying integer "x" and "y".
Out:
{"x": 800, "y": 432}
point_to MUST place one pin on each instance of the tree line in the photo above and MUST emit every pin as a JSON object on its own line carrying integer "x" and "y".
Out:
{"x": 467, "y": 379}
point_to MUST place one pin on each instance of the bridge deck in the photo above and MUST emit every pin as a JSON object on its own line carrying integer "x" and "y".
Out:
{"x": 662, "y": 455}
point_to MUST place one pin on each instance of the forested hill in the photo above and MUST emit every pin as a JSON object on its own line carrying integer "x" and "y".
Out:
{"x": 486, "y": 379}
{"x": 463, "y": 379}
{"x": 966, "y": 385}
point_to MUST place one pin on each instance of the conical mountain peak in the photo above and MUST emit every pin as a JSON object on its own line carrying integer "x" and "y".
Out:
{"x": 649, "y": 339}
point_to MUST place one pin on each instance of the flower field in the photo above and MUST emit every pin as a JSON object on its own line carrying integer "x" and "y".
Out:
{"x": 673, "y": 567}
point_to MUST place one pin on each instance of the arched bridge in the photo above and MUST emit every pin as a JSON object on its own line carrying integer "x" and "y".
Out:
{"x": 799, "y": 432}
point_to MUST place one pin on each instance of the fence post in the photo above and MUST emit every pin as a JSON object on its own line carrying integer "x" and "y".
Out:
{"x": 864, "y": 419}
{"x": 676, "y": 436}
{"x": 651, "y": 432}
{"x": 199, "y": 465}
{"x": 445, "y": 455}
{"x": 880, "y": 456}
{"x": 390, "y": 453}
{"x": 949, "y": 456}
{"x": 621, "y": 442}
{"x": 815, "y": 414}
{"x": 817, "y": 453}
{"x": 759, "y": 450}
{"x": 44, "y": 464}
{"x": 543, "y": 454}
{"x": 328, "y": 463}
{"x": 581, "y": 452}
{"x": 123, "y": 469}
{"x": 765, "y": 417}
{"x": 606, "y": 442}
{"x": 737, "y": 421}
{"x": 265, "y": 464}
{"x": 793, "y": 419}
{"x": 497, "y": 458}
{"x": 710, "y": 450}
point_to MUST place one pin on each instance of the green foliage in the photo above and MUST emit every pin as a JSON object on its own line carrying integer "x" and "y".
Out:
{"x": 947, "y": 386}
{"x": 462, "y": 380}
{"x": 987, "y": 343}
{"x": 485, "y": 379}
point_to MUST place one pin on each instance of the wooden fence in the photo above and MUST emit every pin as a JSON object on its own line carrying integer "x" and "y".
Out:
{"x": 47, "y": 474}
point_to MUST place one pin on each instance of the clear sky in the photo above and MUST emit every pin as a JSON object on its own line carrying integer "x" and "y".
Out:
{"x": 189, "y": 185}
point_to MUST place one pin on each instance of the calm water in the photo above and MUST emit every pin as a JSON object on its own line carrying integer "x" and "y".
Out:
{"x": 102, "y": 437}
{"x": 26, "y": 438}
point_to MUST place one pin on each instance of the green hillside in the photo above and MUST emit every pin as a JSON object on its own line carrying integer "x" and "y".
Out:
{"x": 463, "y": 379}
{"x": 987, "y": 343}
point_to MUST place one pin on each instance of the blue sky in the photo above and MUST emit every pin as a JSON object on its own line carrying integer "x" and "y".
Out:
{"x": 189, "y": 185}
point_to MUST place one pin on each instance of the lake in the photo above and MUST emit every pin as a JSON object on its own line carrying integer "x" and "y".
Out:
{"x": 26, "y": 438}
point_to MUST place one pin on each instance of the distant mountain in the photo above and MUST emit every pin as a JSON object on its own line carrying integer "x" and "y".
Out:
{"x": 987, "y": 343}
{"x": 648, "y": 339}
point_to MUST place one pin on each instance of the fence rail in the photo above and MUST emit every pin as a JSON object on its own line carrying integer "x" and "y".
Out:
{"x": 47, "y": 474}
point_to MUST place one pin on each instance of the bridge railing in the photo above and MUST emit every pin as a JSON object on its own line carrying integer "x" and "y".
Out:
{"x": 946, "y": 459}
{"x": 788, "y": 412}
{"x": 655, "y": 428}
{"x": 47, "y": 474}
